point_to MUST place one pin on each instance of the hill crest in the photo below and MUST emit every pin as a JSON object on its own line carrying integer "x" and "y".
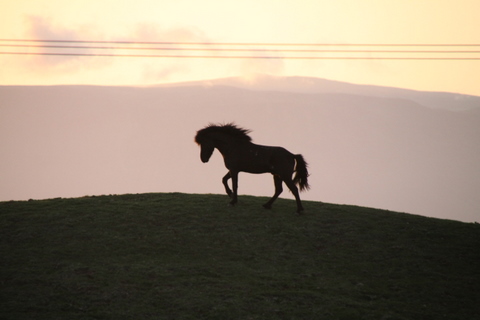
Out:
{"x": 188, "y": 256}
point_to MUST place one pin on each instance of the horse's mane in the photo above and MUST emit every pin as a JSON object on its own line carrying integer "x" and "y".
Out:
{"x": 229, "y": 129}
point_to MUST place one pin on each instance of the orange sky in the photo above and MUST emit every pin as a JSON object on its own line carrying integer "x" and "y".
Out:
{"x": 251, "y": 21}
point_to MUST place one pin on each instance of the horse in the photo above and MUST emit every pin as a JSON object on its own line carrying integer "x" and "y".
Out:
{"x": 241, "y": 155}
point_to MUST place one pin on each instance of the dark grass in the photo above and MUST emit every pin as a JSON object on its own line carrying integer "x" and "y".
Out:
{"x": 183, "y": 256}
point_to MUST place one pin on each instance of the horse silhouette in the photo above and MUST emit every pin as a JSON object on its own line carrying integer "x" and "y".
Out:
{"x": 241, "y": 155}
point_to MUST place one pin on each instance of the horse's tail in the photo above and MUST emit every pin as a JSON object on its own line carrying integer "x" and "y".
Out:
{"x": 301, "y": 173}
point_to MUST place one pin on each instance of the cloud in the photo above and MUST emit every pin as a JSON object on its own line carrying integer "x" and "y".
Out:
{"x": 153, "y": 71}
{"x": 153, "y": 74}
{"x": 251, "y": 68}
{"x": 144, "y": 70}
{"x": 247, "y": 68}
{"x": 176, "y": 43}
{"x": 41, "y": 28}
{"x": 150, "y": 32}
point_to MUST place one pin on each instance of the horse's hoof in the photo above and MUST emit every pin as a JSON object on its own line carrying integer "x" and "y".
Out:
{"x": 267, "y": 206}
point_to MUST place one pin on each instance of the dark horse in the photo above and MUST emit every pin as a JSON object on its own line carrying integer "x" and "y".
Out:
{"x": 240, "y": 154}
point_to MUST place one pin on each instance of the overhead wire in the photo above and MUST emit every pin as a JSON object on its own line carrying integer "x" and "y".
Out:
{"x": 231, "y": 50}
{"x": 248, "y": 43}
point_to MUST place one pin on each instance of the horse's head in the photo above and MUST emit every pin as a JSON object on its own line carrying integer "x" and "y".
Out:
{"x": 206, "y": 151}
{"x": 205, "y": 142}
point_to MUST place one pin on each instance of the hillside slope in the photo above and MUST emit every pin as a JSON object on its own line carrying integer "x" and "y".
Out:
{"x": 188, "y": 256}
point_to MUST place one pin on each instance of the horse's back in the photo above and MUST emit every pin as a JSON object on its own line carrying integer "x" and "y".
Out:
{"x": 283, "y": 159}
{"x": 255, "y": 158}
{"x": 280, "y": 160}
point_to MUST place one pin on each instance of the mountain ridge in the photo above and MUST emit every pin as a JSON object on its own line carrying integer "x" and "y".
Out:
{"x": 297, "y": 84}
{"x": 311, "y": 85}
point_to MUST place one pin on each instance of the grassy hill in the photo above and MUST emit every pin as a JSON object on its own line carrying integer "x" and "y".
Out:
{"x": 184, "y": 256}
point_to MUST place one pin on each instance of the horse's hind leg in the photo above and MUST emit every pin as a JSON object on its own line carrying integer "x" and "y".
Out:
{"x": 225, "y": 183}
{"x": 291, "y": 185}
{"x": 278, "y": 190}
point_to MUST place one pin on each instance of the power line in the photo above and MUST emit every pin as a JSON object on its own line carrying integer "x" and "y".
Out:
{"x": 250, "y": 43}
{"x": 232, "y": 57}
{"x": 237, "y": 49}
{"x": 219, "y": 50}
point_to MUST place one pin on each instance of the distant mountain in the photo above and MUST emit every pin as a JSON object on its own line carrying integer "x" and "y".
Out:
{"x": 435, "y": 100}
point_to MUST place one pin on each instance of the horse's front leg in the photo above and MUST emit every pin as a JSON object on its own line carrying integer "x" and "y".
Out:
{"x": 225, "y": 183}
{"x": 234, "y": 176}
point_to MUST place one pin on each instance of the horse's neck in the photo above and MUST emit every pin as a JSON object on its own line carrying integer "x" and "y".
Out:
{"x": 225, "y": 145}
{"x": 222, "y": 146}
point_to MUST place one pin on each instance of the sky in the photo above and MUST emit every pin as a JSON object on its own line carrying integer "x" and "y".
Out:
{"x": 249, "y": 21}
